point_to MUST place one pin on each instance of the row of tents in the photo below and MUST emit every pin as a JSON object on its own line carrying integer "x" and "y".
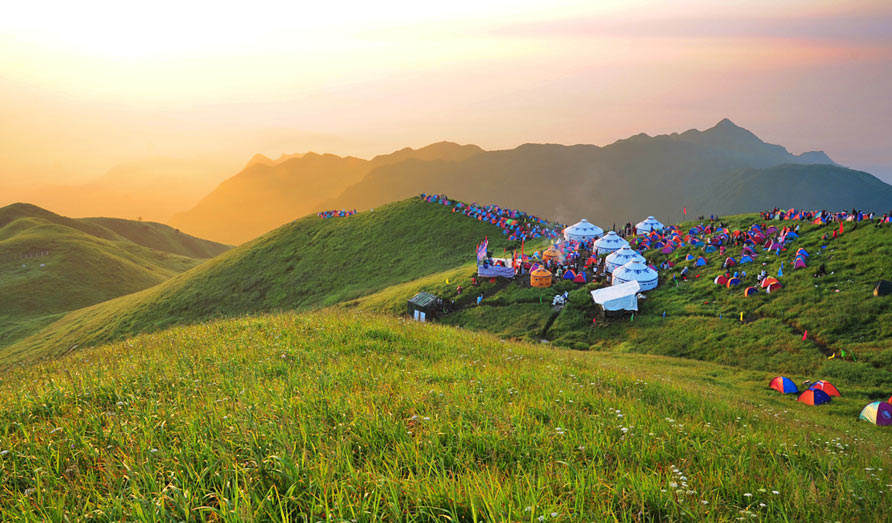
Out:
{"x": 820, "y": 392}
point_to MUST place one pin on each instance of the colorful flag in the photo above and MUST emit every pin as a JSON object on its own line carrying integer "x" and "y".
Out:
{"x": 685, "y": 211}
{"x": 805, "y": 335}
{"x": 840, "y": 227}
{"x": 481, "y": 250}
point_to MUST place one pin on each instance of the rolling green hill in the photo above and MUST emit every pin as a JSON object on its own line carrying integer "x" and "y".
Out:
{"x": 161, "y": 237}
{"x": 50, "y": 264}
{"x": 342, "y": 417}
{"x": 308, "y": 263}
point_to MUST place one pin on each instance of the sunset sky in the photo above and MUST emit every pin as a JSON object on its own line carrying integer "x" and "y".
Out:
{"x": 86, "y": 86}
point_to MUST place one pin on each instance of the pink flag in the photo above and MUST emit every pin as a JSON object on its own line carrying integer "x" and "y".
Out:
{"x": 805, "y": 335}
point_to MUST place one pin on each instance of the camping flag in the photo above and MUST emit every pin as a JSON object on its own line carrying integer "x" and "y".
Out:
{"x": 447, "y": 281}
{"x": 840, "y": 227}
{"x": 481, "y": 250}
{"x": 780, "y": 270}
{"x": 805, "y": 335}
{"x": 685, "y": 211}
{"x": 522, "y": 257}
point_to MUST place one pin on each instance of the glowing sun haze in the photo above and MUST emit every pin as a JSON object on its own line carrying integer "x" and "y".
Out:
{"x": 85, "y": 86}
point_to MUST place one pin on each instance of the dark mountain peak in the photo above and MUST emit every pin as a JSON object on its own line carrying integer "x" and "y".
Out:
{"x": 448, "y": 151}
{"x": 726, "y": 122}
{"x": 815, "y": 157}
{"x": 727, "y": 131}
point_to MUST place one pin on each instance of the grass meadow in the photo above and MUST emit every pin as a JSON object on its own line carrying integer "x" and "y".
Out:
{"x": 341, "y": 416}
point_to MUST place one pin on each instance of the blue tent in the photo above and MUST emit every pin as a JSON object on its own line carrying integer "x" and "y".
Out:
{"x": 746, "y": 258}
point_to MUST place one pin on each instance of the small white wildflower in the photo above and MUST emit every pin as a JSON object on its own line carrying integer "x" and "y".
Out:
{"x": 748, "y": 495}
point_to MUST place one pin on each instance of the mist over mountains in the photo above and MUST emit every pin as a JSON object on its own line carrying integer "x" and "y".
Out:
{"x": 720, "y": 170}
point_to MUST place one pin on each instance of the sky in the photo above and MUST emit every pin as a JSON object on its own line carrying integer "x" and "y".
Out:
{"x": 89, "y": 86}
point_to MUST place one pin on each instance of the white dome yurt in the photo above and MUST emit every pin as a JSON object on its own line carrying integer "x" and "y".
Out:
{"x": 636, "y": 271}
{"x": 648, "y": 225}
{"x": 583, "y": 231}
{"x": 622, "y": 256}
{"x": 610, "y": 242}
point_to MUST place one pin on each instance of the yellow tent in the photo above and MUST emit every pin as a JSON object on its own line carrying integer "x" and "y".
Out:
{"x": 540, "y": 277}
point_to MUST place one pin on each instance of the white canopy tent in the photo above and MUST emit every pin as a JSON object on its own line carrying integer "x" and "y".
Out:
{"x": 648, "y": 225}
{"x": 583, "y": 231}
{"x": 646, "y": 277}
{"x": 609, "y": 243}
{"x": 622, "y": 256}
{"x": 622, "y": 297}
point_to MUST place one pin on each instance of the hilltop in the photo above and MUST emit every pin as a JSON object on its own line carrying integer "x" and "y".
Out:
{"x": 308, "y": 263}
{"x": 268, "y": 193}
{"x": 339, "y": 416}
{"x": 51, "y": 264}
{"x": 637, "y": 176}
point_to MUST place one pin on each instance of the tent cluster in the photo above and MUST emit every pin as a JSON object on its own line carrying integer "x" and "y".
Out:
{"x": 517, "y": 225}
{"x": 817, "y": 393}
{"x": 335, "y": 214}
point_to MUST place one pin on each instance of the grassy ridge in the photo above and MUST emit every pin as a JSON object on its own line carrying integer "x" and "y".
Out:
{"x": 161, "y": 237}
{"x": 367, "y": 418}
{"x": 50, "y": 264}
{"x": 305, "y": 264}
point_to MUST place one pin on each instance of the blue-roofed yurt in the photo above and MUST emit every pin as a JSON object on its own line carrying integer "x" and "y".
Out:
{"x": 610, "y": 242}
{"x": 648, "y": 225}
{"x": 646, "y": 277}
{"x": 583, "y": 231}
{"x": 621, "y": 257}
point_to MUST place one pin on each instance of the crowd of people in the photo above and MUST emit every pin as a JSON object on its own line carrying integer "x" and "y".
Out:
{"x": 515, "y": 224}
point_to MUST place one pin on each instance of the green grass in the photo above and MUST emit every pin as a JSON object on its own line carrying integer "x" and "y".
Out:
{"x": 50, "y": 264}
{"x": 308, "y": 263}
{"x": 336, "y": 416}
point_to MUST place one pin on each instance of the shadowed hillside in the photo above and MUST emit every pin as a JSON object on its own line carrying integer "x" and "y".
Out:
{"x": 633, "y": 178}
{"x": 269, "y": 193}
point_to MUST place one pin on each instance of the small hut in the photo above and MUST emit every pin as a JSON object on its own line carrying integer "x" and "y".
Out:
{"x": 424, "y": 306}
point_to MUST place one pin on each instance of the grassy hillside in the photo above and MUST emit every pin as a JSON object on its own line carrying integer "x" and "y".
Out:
{"x": 307, "y": 263}
{"x": 50, "y": 264}
{"x": 365, "y": 418}
{"x": 161, "y": 237}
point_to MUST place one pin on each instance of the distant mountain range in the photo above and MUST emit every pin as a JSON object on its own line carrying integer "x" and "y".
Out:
{"x": 720, "y": 170}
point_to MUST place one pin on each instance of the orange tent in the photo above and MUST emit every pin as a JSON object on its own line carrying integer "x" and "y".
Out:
{"x": 551, "y": 254}
{"x": 540, "y": 277}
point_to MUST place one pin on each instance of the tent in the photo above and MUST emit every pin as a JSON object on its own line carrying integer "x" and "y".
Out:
{"x": 720, "y": 280}
{"x": 667, "y": 249}
{"x": 814, "y": 397}
{"x": 746, "y": 258}
{"x": 701, "y": 261}
{"x": 750, "y": 291}
{"x": 583, "y": 231}
{"x": 610, "y": 242}
{"x": 648, "y": 225}
{"x": 636, "y": 271}
{"x": 580, "y": 278}
{"x": 551, "y": 254}
{"x": 689, "y": 257}
{"x": 569, "y": 275}
{"x": 799, "y": 263}
{"x": 730, "y": 262}
{"x": 620, "y": 257}
{"x": 733, "y": 282}
{"x": 774, "y": 287}
{"x": 423, "y": 306}
{"x": 825, "y": 386}
{"x": 878, "y": 413}
{"x": 783, "y": 385}
{"x": 710, "y": 249}
{"x": 622, "y": 297}
{"x": 801, "y": 251}
{"x": 540, "y": 277}
{"x": 770, "y": 280}
{"x": 882, "y": 288}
